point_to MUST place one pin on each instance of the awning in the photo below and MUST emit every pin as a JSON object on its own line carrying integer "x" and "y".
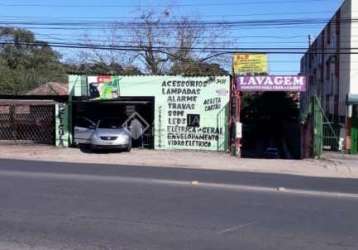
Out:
{"x": 352, "y": 99}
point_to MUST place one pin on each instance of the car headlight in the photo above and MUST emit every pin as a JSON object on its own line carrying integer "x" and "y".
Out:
{"x": 124, "y": 138}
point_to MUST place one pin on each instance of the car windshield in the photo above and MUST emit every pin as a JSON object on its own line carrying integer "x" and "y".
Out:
{"x": 110, "y": 123}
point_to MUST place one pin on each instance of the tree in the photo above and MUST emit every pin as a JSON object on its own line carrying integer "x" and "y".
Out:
{"x": 194, "y": 68}
{"x": 159, "y": 43}
{"x": 148, "y": 35}
{"x": 170, "y": 44}
{"x": 99, "y": 68}
{"x": 25, "y": 62}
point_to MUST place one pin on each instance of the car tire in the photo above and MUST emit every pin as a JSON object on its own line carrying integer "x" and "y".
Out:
{"x": 85, "y": 148}
{"x": 92, "y": 148}
{"x": 129, "y": 148}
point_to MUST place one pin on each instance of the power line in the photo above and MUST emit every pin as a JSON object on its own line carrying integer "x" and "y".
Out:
{"x": 201, "y": 36}
{"x": 174, "y": 17}
{"x": 131, "y": 40}
{"x": 169, "y": 24}
{"x": 287, "y": 50}
{"x": 93, "y": 25}
{"x": 159, "y": 5}
{"x": 267, "y": 24}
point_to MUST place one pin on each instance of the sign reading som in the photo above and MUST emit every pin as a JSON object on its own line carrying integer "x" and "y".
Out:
{"x": 250, "y": 63}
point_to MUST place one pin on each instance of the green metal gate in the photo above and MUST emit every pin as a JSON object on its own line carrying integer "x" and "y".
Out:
{"x": 354, "y": 134}
{"x": 317, "y": 127}
{"x": 326, "y": 133}
{"x": 331, "y": 138}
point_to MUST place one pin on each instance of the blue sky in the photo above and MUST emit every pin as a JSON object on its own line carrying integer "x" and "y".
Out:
{"x": 238, "y": 10}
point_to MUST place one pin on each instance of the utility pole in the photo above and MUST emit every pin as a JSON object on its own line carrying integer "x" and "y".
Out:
{"x": 238, "y": 126}
{"x": 236, "y": 117}
{"x": 235, "y": 113}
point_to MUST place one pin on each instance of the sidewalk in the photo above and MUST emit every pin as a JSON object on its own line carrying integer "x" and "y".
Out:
{"x": 332, "y": 165}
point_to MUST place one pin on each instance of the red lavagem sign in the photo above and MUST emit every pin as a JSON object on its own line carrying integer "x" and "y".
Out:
{"x": 271, "y": 83}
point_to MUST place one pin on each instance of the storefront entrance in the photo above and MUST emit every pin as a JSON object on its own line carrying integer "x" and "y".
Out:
{"x": 271, "y": 126}
{"x": 125, "y": 111}
{"x": 269, "y": 114}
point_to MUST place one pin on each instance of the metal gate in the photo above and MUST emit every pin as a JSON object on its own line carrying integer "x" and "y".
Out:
{"x": 326, "y": 133}
{"x": 27, "y": 124}
{"x": 354, "y": 135}
{"x": 331, "y": 138}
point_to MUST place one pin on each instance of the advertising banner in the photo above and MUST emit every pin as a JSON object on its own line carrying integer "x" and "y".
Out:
{"x": 103, "y": 87}
{"x": 62, "y": 129}
{"x": 271, "y": 83}
{"x": 190, "y": 112}
{"x": 250, "y": 63}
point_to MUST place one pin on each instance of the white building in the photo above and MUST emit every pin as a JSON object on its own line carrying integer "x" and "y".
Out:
{"x": 331, "y": 68}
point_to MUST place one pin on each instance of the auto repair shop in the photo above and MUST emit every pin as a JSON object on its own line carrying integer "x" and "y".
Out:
{"x": 176, "y": 112}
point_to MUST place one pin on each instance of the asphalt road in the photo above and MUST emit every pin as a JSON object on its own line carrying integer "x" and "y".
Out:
{"x": 74, "y": 206}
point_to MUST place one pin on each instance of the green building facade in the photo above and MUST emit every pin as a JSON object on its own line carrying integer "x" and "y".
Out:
{"x": 190, "y": 113}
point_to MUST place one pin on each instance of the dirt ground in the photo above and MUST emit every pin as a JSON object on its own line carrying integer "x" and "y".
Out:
{"x": 331, "y": 165}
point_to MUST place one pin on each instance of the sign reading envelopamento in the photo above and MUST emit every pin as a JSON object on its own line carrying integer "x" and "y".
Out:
{"x": 271, "y": 83}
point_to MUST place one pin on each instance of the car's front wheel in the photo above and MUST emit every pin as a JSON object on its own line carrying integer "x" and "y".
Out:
{"x": 129, "y": 148}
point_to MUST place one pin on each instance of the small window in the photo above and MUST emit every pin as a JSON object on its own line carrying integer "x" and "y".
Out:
{"x": 328, "y": 70}
{"x": 193, "y": 120}
{"x": 329, "y": 33}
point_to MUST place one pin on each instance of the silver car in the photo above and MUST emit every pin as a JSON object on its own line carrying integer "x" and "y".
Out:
{"x": 105, "y": 134}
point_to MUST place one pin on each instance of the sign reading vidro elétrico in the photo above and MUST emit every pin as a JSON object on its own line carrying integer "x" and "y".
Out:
{"x": 289, "y": 83}
{"x": 189, "y": 112}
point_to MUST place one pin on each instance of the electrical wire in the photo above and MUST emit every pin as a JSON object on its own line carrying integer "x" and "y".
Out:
{"x": 164, "y": 49}
{"x": 237, "y": 3}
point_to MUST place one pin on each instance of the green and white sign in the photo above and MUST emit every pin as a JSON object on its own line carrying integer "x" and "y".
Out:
{"x": 62, "y": 129}
{"x": 190, "y": 112}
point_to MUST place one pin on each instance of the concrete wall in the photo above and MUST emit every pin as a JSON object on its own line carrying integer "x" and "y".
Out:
{"x": 354, "y": 44}
{"x": 330, "y": 87}
{"x": 346, "y": 65}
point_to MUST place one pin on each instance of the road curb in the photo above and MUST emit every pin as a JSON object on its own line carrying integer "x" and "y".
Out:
{"x": 193, "y": 183}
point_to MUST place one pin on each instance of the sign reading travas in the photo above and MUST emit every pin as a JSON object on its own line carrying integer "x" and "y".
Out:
{"x": 193, "y": 109}
{"x": 189, "y": 112}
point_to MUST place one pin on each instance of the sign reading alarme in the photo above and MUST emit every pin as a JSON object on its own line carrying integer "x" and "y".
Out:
{"x": 271, "y": 83}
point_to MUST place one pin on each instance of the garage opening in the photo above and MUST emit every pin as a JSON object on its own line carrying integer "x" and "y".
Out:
{"x": 271, "y": 127}
{"x": 124, "y": 112}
